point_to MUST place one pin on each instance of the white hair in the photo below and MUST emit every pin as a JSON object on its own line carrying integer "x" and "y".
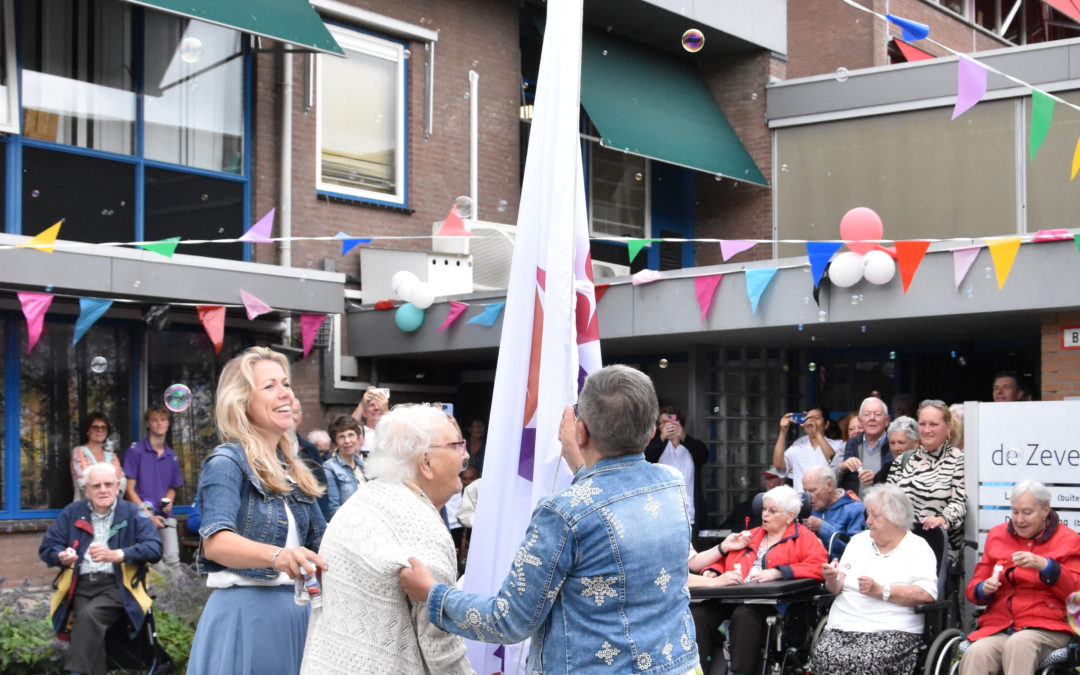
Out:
{"x": 93, "y": 467}
{"x": 402, "y": 435}
{"x": 317, "y": 435}
{"x": 824, "y": 474}
{"x": 874, "y": 399}
{"x": 1037, "y": 490}
{"x": 895, "y": 506}
{"x": 785, "y": 498}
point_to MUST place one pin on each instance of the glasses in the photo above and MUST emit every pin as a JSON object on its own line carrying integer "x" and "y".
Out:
{"x": 457, "y": 445}
{"x": 99, "y": 427}
{"x": 96, "y": 486}
{"x": 876, "y": 415}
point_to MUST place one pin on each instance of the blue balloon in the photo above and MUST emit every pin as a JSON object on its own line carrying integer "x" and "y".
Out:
{"x": 409, "y": 317}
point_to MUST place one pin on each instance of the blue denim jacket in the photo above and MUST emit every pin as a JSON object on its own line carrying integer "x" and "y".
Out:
{"x": 230, "y": 497}
{"x": 599, "y": 582}
{"x": 846, "y": 516}
{"x": 340, "y": 483}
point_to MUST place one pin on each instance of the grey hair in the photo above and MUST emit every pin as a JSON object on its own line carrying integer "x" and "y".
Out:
{"x": 785, "y": 498}
{"x": 317, "y": 435}
{"x": 895, "y": 506}
{"x": 88, "y": 470}
{"x": 875, "y": 399}
{"x": 823, "y": 472}
{"x": 401, "y": 437}
{"x": 618, "y": 406}
{"x": 1036, "y": 489}
{"x": 905, "y": 424}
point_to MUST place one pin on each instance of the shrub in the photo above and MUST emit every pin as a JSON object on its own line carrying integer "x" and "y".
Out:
{"x": 27, "y": 642}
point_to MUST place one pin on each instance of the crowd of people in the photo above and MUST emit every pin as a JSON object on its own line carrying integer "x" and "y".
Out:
{"x": 341, "y": 552}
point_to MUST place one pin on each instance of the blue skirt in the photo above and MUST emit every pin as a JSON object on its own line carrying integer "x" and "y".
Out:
{"x": 249, "y": 629}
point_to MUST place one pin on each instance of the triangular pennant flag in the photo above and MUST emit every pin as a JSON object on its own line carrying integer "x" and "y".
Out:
{"x": 456, "y": 310}
{"x": 757, "y": 280}
{"x": 165, "y": 247}
{"x": 819, "y": 253}
{"x": 1076, "y": 160}
{"x": 705, "y": 289}
{"x": 910, "y": 52}
{"x": 489, "y": 316}
{"x": 1056, "y": 234}
{"x": 911, "y": 30}
{"x": 309, "y": 328}
{"x": 598, "y": 291}
{"x": 260, "y": 231}
{"x": 1003, "y": 250}
{"x": 254, "y": 306}
{"x": 644, "y": 277}
{"x": 382, "y": 305}
{"x": 453, "y": 226}
{"x": 962, "y": 259}
{"x": 1076, "y": 237}
{"x": 1042, "y": 111}
{"x": 34, "y": 306}
{"x": 731, "y": 247}
{"x": 908, "y": 256}
{"x": 213, "y": 321}
{"x": 90, "y": 310}
{"x": 970, "y": 85}
{"x": 45, "y": 240}
{"x": 634, "y": 246}
{"x": 349, "y": 243}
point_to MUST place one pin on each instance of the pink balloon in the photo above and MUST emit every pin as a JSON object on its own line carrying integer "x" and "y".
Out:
{"x": 861, "y": 228}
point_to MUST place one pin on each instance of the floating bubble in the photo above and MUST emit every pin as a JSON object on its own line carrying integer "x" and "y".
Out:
{"x": 718, "y": 178}
{"x": 177, "y": 397}
{"x": 862, "y": 328}
{"x": 191, "y": 49}
{"x": 609, "y": 29}
{"x": 783, "y": 168}
{"x": 464, "y": 207}
{"x": 638, "y": 176}
{"x": 970, "y": 291}
{"x": 467, "y": 93}
{"x": 744, "y": 482}
{"x": 876, "y": 393}
{"x": 753, "y": 96}
{"x": 716, "y": 409}
{"x": 892, "y": 356}
{"x": 962, "y": 361}
{"x": 475, "y": 63}
{"x": 800, "y": 327}
{"x": 501, "y": 208}
{"x": 204, "y": 197}
{"x": 841, "y": 74}
{"x": 822, "y": 316}
{"x": 99, "y": 364}
{"x": 35, "y": 194}
{"x": 1013, "y": 455}
{"x": 378, "y": 118}
{"x": 603, "y": 53}
{"x": 786, "y": 368}
{"x": 48, "y": 289}
{"x": 988, "y": 272}
{"x": 693, "y": 40}
{"x": 813, "y": 338}
{"x": 123, "y": 203}
{"x": 806, "y": 300}
{"x": 663, "y": 363}
{"x": 855, "y": 299}
{"x": 812, "y": 367}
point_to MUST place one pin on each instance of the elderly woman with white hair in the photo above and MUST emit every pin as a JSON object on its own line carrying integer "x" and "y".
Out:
{"x": 780, "y": 549}
{"x": 366, "y": 624}
{"x": 884, "y": 572}
{"x": 1029, "y": 566}
{"x": 903, "y": 433}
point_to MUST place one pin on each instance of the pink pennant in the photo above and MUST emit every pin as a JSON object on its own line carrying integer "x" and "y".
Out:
{"x": 1059, "y": 234}
{"x": 34, "y": 306}
{"x": 309, "y": 328}
{"x": 456, "y": 310}
{"x": 254, "y": 306}
{"x": 704, "y": 289}
{"x": 644, "y": 277}
{"x": 962, "y": 261}
{"x": 729, "y": 248}
{"x": 970, "y": 85}
{"x": 453, "y": 226}
{"x": 260, "y": 231}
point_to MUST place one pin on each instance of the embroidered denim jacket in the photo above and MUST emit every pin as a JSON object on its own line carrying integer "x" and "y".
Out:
{"x": 599, "y": 582}
{"x": 230, "y": 497}
{"x": 340, "y": 483}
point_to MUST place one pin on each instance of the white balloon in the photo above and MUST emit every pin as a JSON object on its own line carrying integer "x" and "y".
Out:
{"x": 400, "y": 278}
{"x": 846, "y": 269}
{"x": 878, "y": 267}
{"x": 407, "y": 289}
{"x": 423, "y": 295}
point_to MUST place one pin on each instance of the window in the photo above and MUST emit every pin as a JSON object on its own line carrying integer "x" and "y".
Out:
{"x": 9, "y": 91}
{"x": 199, "y": 206}
{"x": 361, "y": 115}
{"x": 618, "y": 193}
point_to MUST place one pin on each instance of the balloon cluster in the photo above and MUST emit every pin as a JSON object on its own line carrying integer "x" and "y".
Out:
{"x": 418, "y": 296}
{"x": 861, "y": 229}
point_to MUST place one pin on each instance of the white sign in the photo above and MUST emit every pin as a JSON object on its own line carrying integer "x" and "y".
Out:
{"x": 1033, "y": 440}
{"x": 988, "y": 518}
{"x": 1070, "y": 337}
{"x": 1060, "y": 497}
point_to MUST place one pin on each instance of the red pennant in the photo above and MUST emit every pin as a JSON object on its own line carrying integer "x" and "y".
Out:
{"x": 213, "y": 320}
{"x": 384, "y": 304}
{"x": 453, "y": 227}
{"x": 599, "y": 291}
{"x": 909, "y": 255}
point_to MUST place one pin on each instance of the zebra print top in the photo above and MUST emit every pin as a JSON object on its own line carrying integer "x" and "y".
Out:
{"x": 934, "y": 481}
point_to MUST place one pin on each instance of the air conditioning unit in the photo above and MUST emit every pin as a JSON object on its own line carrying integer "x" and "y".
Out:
{"x": 608, "y": 270}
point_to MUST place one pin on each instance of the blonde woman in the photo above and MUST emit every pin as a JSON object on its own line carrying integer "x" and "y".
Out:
{"x": 260, "y": 525}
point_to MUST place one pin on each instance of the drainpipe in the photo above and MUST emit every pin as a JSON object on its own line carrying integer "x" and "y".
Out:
{"x": 474, "y": 141}
{"x": 284, "y": 214}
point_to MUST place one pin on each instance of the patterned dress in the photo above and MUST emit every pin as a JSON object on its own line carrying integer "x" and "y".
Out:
{"x": 934, "y": 481}
{"x": 82, "y": 459}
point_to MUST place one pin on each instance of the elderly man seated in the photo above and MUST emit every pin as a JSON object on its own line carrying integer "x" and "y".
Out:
{"x": 835, "y": 512}
{"x": 97, "y": 538}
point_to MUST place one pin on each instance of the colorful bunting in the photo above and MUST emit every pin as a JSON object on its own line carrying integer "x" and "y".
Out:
{"x": 489, "y": 316}
{"x": 819, "y": 253}
{"x": 1003, "y": 250}
{"x": 309, "y": 329}
{"x": 909, "y": 255}
{"x": 600, "y": 289}
{"x": 165, "y": 247}
{"x": 910, "y": 52}
{"x": 911, "y": 30}
{"x": 260, "y": 231}
{"x": 34, "y": 306}
{"x": 382, "y": 305}
{"x": 453, "y": 226}
{"x": 254, "y": 306}
{"x": 1059, "y": 234}
{"x": 90, "y": 310}
{"x": 634, "y": 246}
{"x": 1042, "y": 111}
{"x": 1076, "y": 237}
{"x": 971, "y": 79}
{"x": 45, "y": 240}
{"x": 348, "y": 243}
{"x": 456, "y": 310}
{"x": 644, "y": 277}
{"x": 213, "y": 321}
{"x": 1076, "y": 160}
{"x": 756, "y": 282}
{"x": 732, "y": 247}
{"x": 705, "y": 289}
{"x": 962, "y": 259}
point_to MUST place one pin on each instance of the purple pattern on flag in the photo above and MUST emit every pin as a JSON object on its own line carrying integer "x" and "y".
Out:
{"x": 500, "y": 653}
{"x": 527, "y": 453}
{"x": 581, "y": 375}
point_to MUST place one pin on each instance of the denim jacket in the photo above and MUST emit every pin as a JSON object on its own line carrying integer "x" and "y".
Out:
{"x": 230, "y": 497}
{"x": 599, "y": 582}
{"x": 845, "y": 516}
{"x": 340, "y": 483}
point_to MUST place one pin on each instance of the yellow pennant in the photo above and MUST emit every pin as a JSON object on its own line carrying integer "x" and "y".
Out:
{"x": 1076, "y": 159}
{"x": 45, "y": 240}
{"x": 1003, "y": 250}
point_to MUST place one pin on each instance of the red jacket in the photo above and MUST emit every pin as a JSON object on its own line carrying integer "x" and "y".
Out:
{"x": 1027, "y": 599}
{"x": 798, "y": 555}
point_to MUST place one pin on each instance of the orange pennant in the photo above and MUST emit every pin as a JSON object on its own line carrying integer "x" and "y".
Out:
{"x": 909, "y": 255}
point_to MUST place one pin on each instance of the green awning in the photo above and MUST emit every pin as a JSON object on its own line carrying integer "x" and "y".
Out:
{"x": 293, "y": 21}
{"x": 655, "y": 105}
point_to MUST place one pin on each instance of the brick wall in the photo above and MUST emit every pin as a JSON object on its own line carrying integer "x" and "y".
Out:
{"x": 19, "y": 551}
{"x": 1060, "y": 367}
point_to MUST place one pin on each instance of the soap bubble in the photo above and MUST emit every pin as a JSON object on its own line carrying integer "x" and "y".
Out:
{"x": 876, "y": 393}
{"x": 952, "y": 354}
{"x": 744, "y": 482}
{"x": 501, "y": 208}
{"x": 806, "y": 300}
{"x": 204, "y": 197}
{"x": 463, "y": 206}
{"x": 638, "y": 176}
{"x": 800, "y": 327}
{"x": 812, "y": 366}
{"x": 603, "y": 53}
{"x": 962, "y": 361}
{"x": 988, "y": 272}
{"x": 1014, "y": 455}
{"x": 177, "y": 397}
{"x": 892, "y": 356}
{"x": 663, "y": 363}
{"x": 822, "y": 316}
{"x": 693, "y": 40}
{"x": 786, "y": 368}
{"x": 48, "y": 289}
{"x": 841, "y": 74}
{"x": 970, "y": 291}
{"x": 783, "y": 168}
{"x": 716, "y": 409}
{"x": 191, "y": 49}
{"x": 753, "y": 96}
{"x": 855, "y": 299}
{"x": 35, "y": 194}
{"x": 863, "y": 328}
{"x": 99, "y": 364}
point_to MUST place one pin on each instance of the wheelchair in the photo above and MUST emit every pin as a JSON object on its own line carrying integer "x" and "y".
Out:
{"x": 128, "y": 649}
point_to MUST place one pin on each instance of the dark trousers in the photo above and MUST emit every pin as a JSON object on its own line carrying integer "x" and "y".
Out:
{"x": 744, "y": 632}
{"x": 97, "y": 605}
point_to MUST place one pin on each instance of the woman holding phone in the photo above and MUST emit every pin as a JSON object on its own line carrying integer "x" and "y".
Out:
{"x": 671, "y": 445}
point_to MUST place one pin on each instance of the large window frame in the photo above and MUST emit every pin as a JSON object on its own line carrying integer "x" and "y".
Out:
{"x": 366, "y": 44}
{"x": 10, "y": 68}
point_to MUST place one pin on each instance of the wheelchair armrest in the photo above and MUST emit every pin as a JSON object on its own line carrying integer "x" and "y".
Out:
{"x": 929, "y": 607}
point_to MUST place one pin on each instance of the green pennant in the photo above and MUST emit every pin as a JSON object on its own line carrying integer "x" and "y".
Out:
{"x": 1042, "y": 111}
{"x": 1076, "y": 237}
{"x": 165, "y": 247}
{"x": 635, "y": 245}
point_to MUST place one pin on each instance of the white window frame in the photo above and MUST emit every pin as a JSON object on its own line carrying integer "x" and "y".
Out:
{"x": 11, "y": 70}
{"x": 353, "y": 40}
{"x": 647, "y": 175}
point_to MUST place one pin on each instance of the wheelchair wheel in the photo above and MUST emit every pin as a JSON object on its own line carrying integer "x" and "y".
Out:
{"x": 943, "y": 656}
{"x": 818, "y": 630}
